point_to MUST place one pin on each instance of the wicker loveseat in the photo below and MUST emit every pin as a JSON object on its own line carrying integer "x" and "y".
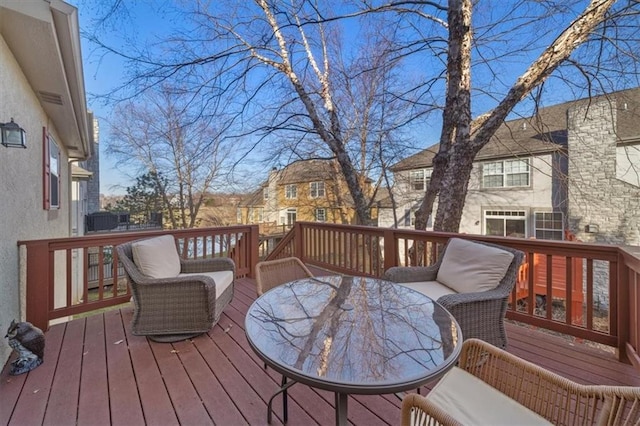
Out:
{"x": 174, "y": 298}
{"x": 473, "y": 280}
{"x": 493, "y": 387}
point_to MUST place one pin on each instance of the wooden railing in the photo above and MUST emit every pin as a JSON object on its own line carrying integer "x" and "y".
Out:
{"x": 601, "y": 281}
{"x": 59, "y": 284}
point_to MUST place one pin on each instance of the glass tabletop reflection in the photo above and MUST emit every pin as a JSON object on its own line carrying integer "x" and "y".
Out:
{"x": 353, "y": 334}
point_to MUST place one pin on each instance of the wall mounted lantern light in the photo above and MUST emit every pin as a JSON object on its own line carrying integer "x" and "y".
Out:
{"x": 13, "y": 135}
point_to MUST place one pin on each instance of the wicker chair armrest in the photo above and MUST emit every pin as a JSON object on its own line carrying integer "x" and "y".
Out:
{"x": 408, "y": 274}
{"x": 193, "y": 266}
{"x": 418, "y": 411}
{"x": 177, "y": 283}
{"x": 450, "y": 300}
{"x": 545, "y": 392}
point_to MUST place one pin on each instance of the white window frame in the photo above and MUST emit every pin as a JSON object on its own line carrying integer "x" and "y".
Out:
{"x": 54, "y": 174}
{"x": 505, "y": 215}
{"x": 419, "y": 179}
{"x": 317, "y": 214}
{"x": 316, "y": 189}
{"x": 506, "y": 169}
{"x": 291, "y": 191}
{"x": 291, "y": 213}
{"x": 539, "y": 232}
{"x": 260, "y": 211}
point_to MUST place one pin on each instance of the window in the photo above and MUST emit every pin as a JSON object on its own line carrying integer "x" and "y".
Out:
{"x": 51, "y": 173}
{"x": 316, "y": 189}
{"x": 265, "y": 193}
{"x": 291, "y": 191}
{"x": 419, "y": 179}
{"x": 320, "y": 215}
{"x": 260, "y": 211}
{"x": 505, "y": 174}
{"x": 549, "y": 225}
{"x": 505, "y": 223}
{"x": 238, "y": 215}
{"x": 291, "y": 216}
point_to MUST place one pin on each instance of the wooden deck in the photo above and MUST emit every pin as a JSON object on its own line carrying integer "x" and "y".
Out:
{"x": 95, "y": 372}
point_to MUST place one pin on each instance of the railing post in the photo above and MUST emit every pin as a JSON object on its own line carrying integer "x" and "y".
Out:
{"x": 298, "y": 241}
{"x": 38, "y": 269}
{"x": 623, "y": 318}
{"x": 254, "y": 248}
{"x": 390, "y": 249}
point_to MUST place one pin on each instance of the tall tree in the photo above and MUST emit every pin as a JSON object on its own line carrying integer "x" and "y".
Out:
{"x": 284, "y": 59}
{"x": 143, "y": 198}
{"x": 167, "y": 133}
{"x": 462, "y": 138}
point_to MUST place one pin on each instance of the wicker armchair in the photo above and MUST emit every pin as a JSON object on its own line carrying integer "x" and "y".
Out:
{"x": 480, "y": 314}
{"x": 272, "y": 273}
{"x": 179, "y": 307}
{"x": 525, "y": 392}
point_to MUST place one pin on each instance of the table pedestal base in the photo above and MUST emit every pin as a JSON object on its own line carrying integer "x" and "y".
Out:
{"x": 341, "y": 409}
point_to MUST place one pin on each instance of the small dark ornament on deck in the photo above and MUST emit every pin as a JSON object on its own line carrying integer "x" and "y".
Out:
{"x": 28, "y": 342}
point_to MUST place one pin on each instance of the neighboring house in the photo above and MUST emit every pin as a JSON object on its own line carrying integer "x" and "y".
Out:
{"x": 42, "y": 90}
{"x": 573, "y": 167}
{"x": 310, "y": 190}
{"x": 219, "y": 209}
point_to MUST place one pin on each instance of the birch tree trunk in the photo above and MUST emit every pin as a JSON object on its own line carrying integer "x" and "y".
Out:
{"x": 453, "y": 165}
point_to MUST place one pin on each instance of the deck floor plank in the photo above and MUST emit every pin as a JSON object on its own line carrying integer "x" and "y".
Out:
{"x": 588, "y": 365}
{"x": 126, "y": 408}
{"x": 11, "y": 389}
{"x": 220, "y": 407}
{"x": 247, "y": 401}
{"x": 63, "y": 400}
{"x": 93, "y": 404}
{"x": 309, "y": 402}
{"x": 154, "y": 398}
{"x": 216, "y": 378}
{"x": 186, "y": 401}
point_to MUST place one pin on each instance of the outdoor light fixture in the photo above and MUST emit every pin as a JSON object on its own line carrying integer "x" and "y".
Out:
{"x": 13, "y": 135}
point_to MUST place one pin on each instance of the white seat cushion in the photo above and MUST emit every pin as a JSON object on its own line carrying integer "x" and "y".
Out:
{"x": 223, "y": 279}
{"x": 469, "y": 267}
{"x": 432, "y": 289}
{"x": 157, "y": 257}
{"x": 473, "y": 402}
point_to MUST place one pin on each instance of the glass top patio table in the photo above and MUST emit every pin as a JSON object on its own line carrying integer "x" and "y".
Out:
{"x": 353, "y": 335}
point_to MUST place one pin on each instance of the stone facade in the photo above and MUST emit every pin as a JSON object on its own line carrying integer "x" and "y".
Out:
{"x": 602, "y": 208}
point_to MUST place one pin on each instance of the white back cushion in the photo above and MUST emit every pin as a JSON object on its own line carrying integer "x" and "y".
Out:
{"x": 157, "y": 257}
{"x": 469, "y": 267}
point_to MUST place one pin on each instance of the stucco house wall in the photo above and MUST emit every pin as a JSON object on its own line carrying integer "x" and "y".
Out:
{"x": 538, "y": 196}
{"x": 541, "y": 195}
{"x": 23, "y": 216}
{"x": 42, "y": 89}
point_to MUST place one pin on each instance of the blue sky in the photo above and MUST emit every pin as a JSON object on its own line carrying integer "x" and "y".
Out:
{"x": 105, "y": 72}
